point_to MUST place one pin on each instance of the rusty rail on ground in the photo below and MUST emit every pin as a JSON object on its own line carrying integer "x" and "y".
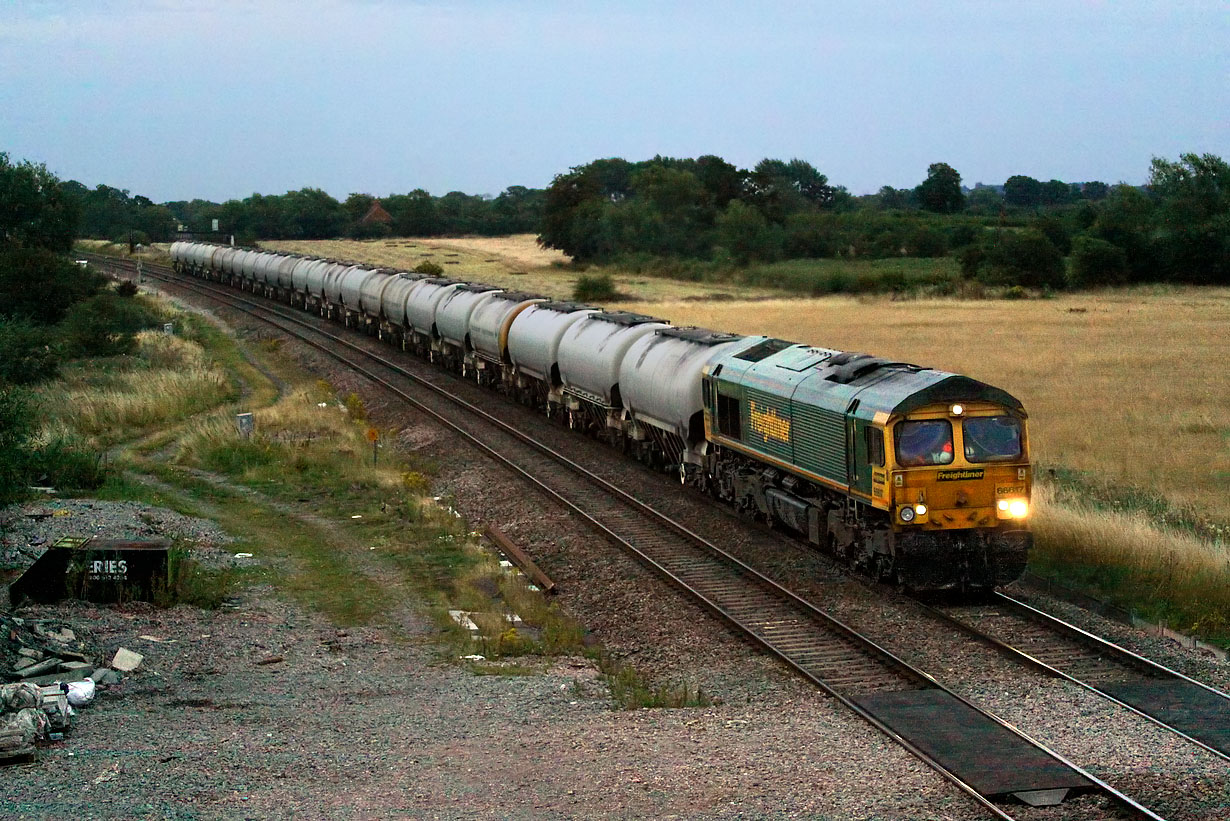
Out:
{"x": 520, "y": 558}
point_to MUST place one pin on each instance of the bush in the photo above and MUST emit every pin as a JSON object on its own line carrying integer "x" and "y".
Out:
{"x": 40, "y": 286}
{"x": 66, "y": 464}
{"x": 15, "y": 427}
{"x": 430, "y": 268}
{"x": 1055, "y": 230}
{"x": 926, "y": 241}
{"x": 1097, "y": 262}
{"x": 1025, "y": 258}
{"x": 812, "y": 235}
{"x": 106, "y": 325}
{"x": 127, "y": 288}
{"x": 595, "y": 288}
{"x": 29, "y": 355}
{"x": 964, "y": 234}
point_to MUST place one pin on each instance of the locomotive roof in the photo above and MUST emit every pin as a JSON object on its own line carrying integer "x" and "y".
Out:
{"x": 835, "y": 379}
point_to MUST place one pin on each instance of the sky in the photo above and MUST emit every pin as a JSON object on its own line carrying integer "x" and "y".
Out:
{"x": 220, "y": 99}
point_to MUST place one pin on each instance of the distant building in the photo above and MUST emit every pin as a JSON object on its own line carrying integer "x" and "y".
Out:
{"x": 376, "y": 214}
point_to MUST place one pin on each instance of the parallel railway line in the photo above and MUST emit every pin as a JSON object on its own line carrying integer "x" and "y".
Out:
{"x": 880, "y": 687}
{"x": 1195, "y": 711}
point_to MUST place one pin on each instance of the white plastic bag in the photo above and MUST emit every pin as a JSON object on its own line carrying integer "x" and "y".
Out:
{"x": 81, "y": 693}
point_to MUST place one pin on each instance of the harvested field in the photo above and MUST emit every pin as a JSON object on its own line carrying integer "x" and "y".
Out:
{"x": 511, "y": 262}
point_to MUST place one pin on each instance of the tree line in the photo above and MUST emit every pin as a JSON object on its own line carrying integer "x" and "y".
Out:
{"x": 1026, "y": 232}
{"x": 664, "y": 211}
{"x": 51, "y": 309}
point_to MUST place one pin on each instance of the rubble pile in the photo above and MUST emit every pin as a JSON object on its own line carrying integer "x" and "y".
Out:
{"x": 50, "y": 672}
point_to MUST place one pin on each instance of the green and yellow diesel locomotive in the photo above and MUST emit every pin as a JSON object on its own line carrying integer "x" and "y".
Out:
{"x": 913, "y": 475}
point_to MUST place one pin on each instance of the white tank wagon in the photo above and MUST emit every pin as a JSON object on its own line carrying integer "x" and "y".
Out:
{"x": 307, "y": 279}
{"x": 222, "y": 265}
{"x": 283, "y": 276}
{"x": 590, "y": 355}
{"x": 421, "y": 311}
{"x": 371, "y": 299}
{"x": 453, "y": 320}
{"x": 350, "y": 294}
{"x": 393, "y": 324}
{"x": 489, "y": 326}
{"x": 245, "y": 268}
{"x": 264, "y": 272}
{"x": 660, "y": 383}
{"x": 330, "y": 294}
{"x": 533, "y": 350}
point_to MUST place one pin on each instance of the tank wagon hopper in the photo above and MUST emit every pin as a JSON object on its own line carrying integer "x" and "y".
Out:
{"x": 660, "y": 385}
{"x": 590, "y": 354}
{"x": 915, "y": 476}
{"x": 453, "y": 347}
{"x": 391, "y": 325}
{"x": 533, "y": 375}
{"x": 490, "y": 324}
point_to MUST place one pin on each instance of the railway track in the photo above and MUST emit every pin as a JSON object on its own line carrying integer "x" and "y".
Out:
{"x": 1195, "y": 711}
{"x": 982, "y": 755}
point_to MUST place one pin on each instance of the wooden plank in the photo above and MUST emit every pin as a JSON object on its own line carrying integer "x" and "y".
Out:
{"x": 520, "y": 558}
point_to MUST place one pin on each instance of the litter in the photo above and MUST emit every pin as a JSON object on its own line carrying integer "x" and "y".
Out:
{"x": 357, "y": 516}
{"x": 81, "y": 693}
{"x": 474, "y": 657}
{"x": 243, "y": 555}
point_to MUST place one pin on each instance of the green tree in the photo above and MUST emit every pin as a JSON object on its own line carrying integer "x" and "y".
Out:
{"x": 1094, "y": 190}
{"x": 1097, "y": 262}
{"x": 1025, "y": 258}
{"x": 1057, "y": 192}
{"x": 40, "y": 287}
{"x": 1022, "y": 192}
{"x": 747, "y": 235}
{"x": 1193, "y": 217}
{"x": 35, "y": 210}
{"x": 941, "y": 190}
{"x": 1126, "y": 219}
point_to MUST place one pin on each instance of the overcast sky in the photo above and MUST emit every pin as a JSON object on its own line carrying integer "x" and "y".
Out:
{"x": 220, "y": 99}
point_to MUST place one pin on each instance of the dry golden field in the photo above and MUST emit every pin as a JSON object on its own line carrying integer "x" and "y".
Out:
{"x": 510, "y": 262}
{"x": 1131, "y": 385}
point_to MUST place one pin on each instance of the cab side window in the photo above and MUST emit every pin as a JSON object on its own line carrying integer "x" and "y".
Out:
{"x": 875, "y": 446}
{"x": 729, "y": 422}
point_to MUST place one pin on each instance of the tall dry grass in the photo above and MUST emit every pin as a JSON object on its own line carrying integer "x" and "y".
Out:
{"x": 1175, "y": 576}
{"x": 306, "y": 432}
{"x": 166, "y": 379}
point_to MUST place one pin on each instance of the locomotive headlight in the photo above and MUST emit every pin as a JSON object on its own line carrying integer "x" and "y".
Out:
{"x": 921, "y": 510}
{"x": 1018, "y": 508}
{"x": 1003, "y": 505}
{"x": 957, "y": 410}
{"x": 907, "y": 514}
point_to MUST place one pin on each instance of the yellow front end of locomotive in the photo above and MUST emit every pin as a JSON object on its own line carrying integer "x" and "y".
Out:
{"x": 958, "y": 467}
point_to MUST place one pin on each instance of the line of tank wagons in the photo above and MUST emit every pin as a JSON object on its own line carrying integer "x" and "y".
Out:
{"x": 798, "y": 435}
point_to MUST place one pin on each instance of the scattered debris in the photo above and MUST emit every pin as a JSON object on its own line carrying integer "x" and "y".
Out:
{"x": 126, "y": 660}
{"x": 243, "y": 555}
